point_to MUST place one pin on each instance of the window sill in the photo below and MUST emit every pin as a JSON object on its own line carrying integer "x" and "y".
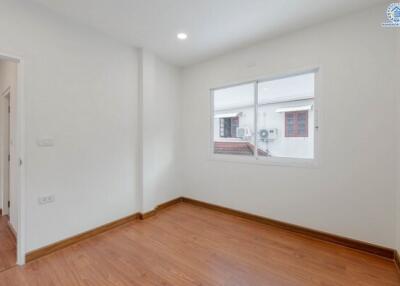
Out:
{"x": 280, "y": 162}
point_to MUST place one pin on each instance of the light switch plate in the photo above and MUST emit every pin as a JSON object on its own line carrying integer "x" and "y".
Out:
{"x": 46, "y": 199}
{"x": 45, "y": 142}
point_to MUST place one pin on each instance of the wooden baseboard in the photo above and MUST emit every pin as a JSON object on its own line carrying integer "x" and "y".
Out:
{"x": 169, "y": 203}
{"x": 351, "y": 243}
{"x": 397, "y": 260}
{"x": 160, "y": 207}
{"x": 35, "y": 254}
{"x": 147, "y": 214}
{"x": 348, "y": 242}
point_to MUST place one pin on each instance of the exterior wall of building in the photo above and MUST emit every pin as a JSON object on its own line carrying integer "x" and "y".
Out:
{"x": 269, "y": 118}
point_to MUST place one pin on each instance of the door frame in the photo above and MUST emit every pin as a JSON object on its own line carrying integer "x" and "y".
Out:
{"x": 19, "y": 142}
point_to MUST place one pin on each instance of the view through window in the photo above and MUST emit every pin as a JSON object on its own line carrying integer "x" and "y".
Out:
{"x": 234, "y": 120}
{"x": 281, "y": 124}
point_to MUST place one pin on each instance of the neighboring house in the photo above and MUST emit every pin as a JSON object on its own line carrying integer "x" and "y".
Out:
{"x": 285, "y": 129}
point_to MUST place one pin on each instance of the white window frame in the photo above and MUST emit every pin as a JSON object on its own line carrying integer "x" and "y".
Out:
{"x": 276, "y": 161}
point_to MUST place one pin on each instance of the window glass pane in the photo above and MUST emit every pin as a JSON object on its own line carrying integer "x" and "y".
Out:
{"x": 234, "y": 120}
{"x": 285, "y": 118}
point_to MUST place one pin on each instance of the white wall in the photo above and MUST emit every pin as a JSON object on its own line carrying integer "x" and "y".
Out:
{"x": 81, "y": 89}
{"x": 160, "y": 130}
{"x": 351, "y": 192}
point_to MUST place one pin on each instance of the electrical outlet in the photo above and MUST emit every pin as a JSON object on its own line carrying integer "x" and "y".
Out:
{"x": 46, "y": 199}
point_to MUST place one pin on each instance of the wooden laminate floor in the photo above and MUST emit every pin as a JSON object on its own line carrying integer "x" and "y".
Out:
{"x": 189, "y": 245}
{"x": 7, "y": 245}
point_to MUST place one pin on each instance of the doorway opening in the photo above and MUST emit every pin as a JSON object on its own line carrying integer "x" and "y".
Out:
{"x": 10, "y": 163}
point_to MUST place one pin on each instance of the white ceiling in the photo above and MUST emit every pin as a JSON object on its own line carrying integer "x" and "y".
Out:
{"x": 213, "y": 26}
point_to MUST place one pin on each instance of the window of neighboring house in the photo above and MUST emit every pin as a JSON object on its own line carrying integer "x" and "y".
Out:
{"x": 233, "y": 116}
{"x": 228, "y": 127}
{"x": 296, "y": 124}
{"x": 266, "y": 118}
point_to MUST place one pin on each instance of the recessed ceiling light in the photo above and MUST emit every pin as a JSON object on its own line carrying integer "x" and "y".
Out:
{"x": 182, "y": 36}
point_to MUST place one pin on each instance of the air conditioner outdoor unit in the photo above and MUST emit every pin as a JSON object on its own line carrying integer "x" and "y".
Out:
{"x": 268, "y": 134}
{"x": 243, "y": 132}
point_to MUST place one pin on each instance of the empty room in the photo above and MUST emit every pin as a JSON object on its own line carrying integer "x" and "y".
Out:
{"x": 199, "y": 142}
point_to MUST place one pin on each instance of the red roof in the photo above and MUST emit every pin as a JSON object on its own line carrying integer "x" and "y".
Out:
{"x": 236, "y": 148}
